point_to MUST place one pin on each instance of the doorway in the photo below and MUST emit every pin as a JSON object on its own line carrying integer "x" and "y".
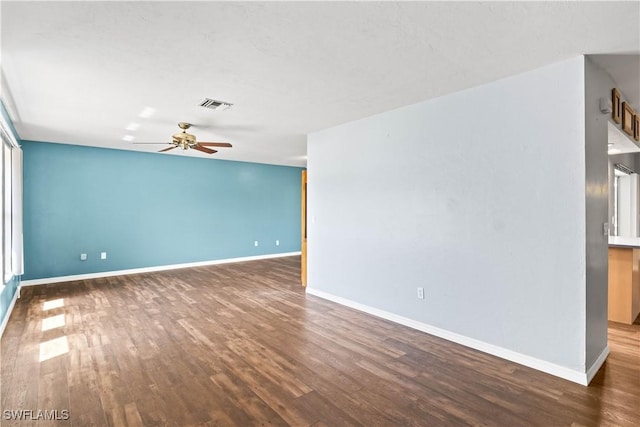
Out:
{"x": 303, "y": 231}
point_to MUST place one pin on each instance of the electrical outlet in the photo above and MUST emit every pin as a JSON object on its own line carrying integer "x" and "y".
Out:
{"x": 277, "y": 242}
{"x": 83, "y": 257}
{"x": 255, "y": 243}
{"x": 420, "y": 293}
{"x": 103, "y": 255}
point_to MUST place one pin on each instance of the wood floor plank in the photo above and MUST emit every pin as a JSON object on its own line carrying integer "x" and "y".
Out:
{"x": 242, "y": 345}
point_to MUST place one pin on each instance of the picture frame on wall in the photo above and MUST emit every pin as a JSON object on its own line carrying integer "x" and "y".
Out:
{"x": 636, "y": 127}
{"x": 615, "y": 105}
{"x": 627, "y": 118}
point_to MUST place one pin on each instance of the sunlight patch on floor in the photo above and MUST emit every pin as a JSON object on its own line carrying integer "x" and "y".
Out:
{"x": 55, "y": 303}
{"x": 53, "y": 322}
{"x": 52, "y": 348}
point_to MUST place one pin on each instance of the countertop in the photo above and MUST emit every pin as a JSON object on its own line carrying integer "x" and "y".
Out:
{"x": 628, "y": 242}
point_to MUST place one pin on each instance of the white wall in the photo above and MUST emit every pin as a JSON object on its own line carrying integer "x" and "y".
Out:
{"x": 479, "y": 197}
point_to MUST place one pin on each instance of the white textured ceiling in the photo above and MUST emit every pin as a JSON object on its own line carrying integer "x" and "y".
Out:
{"x": 80, "y": 72}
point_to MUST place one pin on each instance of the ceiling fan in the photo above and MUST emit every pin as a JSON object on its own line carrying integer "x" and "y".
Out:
{"x": 186, "y": 141}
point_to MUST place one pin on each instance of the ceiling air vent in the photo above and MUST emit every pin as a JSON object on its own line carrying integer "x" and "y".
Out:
{"x": 213, "y": 104}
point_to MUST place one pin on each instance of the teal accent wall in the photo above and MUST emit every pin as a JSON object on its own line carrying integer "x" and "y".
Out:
{"x": 9, "y": 289}
{"x": 148, "y": 209}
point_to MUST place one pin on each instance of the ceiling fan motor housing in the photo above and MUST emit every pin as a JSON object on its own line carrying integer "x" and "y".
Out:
{"x": 184, "y": 139}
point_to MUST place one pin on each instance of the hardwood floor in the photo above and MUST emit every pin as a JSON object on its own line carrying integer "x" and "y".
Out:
{"x": 242, "y": 345}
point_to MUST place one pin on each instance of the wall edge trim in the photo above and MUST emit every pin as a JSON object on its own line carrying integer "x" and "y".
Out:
{"x": 7, "y": 314}
{"x": 59, "y": 279}
{"x": 503, "y": 353}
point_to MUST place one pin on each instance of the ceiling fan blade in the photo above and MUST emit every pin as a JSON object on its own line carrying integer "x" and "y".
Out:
{"x": 203, "y": 149}
{"x": 156, "y": 143}
{"x": 214, "y": 144}
{"x": 167, "y": 149}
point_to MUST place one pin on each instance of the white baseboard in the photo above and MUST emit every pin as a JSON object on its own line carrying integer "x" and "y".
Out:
{"x": 59, "y": 279}
{"x": 9, "y": 310}
{"x": 513, "y": 356}
{"x": 595, "y": 367}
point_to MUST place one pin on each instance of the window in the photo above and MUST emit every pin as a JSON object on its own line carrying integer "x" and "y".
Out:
{"x": 6, "y": 212}
{"x": 2, "y": 212}
{"x": 16, "y": 212}
{"x": 10, "y": 206}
